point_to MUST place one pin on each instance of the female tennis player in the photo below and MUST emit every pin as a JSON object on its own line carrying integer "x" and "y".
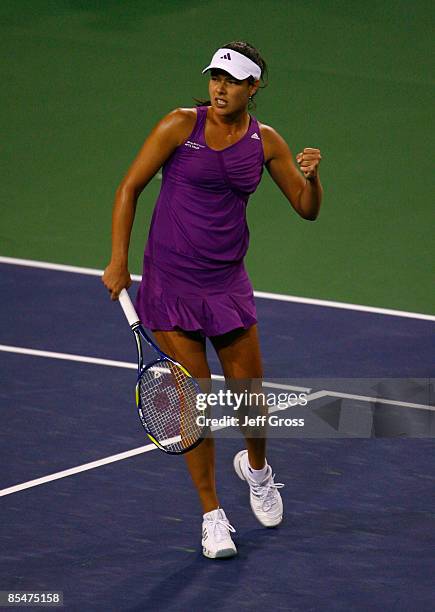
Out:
{"x": 194, "y": 282}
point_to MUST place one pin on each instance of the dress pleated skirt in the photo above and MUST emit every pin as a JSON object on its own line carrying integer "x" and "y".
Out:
{"x": 213, "y": 301}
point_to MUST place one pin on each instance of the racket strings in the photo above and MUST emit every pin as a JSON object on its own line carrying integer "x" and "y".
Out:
{"x": 168, "y": 405}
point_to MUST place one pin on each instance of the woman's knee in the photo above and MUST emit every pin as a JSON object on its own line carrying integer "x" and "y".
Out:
{"x": 239, "y": 354}
{"x": 186, "y": 348}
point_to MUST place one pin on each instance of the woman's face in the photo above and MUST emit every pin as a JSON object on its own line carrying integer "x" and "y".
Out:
{"x": 227, "y": 94}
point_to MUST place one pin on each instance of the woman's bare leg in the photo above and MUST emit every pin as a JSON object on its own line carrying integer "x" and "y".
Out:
{"x": 189, "y": 349}
{"x": 240, "y": 357}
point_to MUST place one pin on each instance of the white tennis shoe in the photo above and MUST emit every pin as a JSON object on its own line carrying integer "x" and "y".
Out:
{"x": 266, "y": 502}
{"x": 216, "y": 535}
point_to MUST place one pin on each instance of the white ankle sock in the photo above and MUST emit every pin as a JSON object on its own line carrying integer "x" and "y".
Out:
{"x": 257, "y": 475}
{"x": 212, "y": 513}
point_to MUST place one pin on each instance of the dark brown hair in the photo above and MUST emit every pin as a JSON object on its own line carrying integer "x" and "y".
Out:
{"x": 253, "y": 54}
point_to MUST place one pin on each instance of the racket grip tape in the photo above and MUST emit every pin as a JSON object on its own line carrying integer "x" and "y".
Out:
{"x": 128, "y": 308}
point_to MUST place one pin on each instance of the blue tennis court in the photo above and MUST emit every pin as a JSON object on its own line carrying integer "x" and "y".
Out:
{"x": 90, "y": 508}
{"x": 88, "y": 505}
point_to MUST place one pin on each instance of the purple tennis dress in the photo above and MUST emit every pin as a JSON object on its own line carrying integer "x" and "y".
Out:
{"x": 194, "y": 278}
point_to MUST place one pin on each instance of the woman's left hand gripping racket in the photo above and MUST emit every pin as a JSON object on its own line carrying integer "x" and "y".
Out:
{"x": 166, "y": 394}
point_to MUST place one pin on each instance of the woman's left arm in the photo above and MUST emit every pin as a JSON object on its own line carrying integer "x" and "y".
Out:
{"x": 303, "y": 192}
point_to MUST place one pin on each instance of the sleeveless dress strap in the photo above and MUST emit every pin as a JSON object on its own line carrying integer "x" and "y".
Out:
{"x": 198, "y": 130}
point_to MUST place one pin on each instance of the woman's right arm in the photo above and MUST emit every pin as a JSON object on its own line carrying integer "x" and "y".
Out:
{"x": 168, "y": 134}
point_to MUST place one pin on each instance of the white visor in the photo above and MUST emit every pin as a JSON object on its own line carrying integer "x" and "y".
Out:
{"x": 236, "y": 64}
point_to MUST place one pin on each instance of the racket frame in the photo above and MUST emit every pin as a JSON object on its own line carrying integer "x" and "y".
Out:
{"x": 139, "y": 332}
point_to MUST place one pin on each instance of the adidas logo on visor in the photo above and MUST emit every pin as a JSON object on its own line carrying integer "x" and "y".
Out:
{"x": 226, "y": 56}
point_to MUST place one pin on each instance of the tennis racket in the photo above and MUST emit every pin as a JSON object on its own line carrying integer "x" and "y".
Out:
{"x": 165, "y": 394}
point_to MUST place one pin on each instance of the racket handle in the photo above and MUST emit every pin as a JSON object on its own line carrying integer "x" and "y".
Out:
{"x": 128, "y": 308}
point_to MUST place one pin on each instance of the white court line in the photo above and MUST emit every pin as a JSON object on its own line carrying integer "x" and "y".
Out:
{"x": 259, "y": 294}
{"x": 20, "y": 350}
{"x": 344, "y": 305}
{"x": 66, "y": 356}
{"x": 365, "y": 398}
{"x": 151, "y": 447}
{"x": 76, "y": 470}
{"x": 46, "y": 265}
{"x": 132, "y": 366}
{"x": 122, "y": 364}
{"x": 144, "y": 449}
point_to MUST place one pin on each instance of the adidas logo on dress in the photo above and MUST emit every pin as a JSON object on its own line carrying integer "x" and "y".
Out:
{"x": 226, "y": 56}
{"x": 255, "y": 136}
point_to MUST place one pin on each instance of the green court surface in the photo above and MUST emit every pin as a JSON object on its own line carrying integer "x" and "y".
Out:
{"x": 84, "y": 81}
